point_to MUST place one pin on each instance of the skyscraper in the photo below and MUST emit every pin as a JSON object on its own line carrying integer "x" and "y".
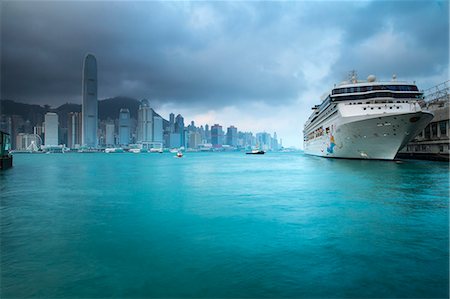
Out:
{"x": 109, "y": 134}
{"x": 51, "y": 129}
{"x": 194, "y": 140}
{"x": 216, "y": 135}
{"x": 124, "y": 126}
{"x": 157, "y": 129}
{"x": 145, "y": 122}
{"x": 232, "y": 136}
{"x": 172, "y": 123}
{"x": 207, "y": 134}
{"x": 74, "y": 129}
{"x": 179, "y": 129}
{"x": 90, "y": 104}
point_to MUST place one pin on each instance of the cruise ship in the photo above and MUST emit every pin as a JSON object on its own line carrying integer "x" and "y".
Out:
{"x": 365, "y": 120}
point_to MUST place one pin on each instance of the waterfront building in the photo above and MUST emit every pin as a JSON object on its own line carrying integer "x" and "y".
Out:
{"x": 28, "y": 142}
{"x": 157, "y": 129}
{"x": 216, "y": 135}
{"x": 16, "y": 127}
{"x": 74, "y": 129}
{"x": 174, "y": 140}
{"x": 145, "y": 122}
{"x": 124, "y": 126}
{"x": 90, "y": 102}
{"x": 179, "y": 129}
{"x": 172, "y": 123}
{"x": 246, "y": 139}
{"x": 207, "y": 134}
{"x": 264, "y": 141}
{"x": 432, "y": 143}
{"x": 109, "y": 134}
{"x": 274, "y": 142}
{"x": 232, "y": 136}
{"x": 195, "y": 139}
{"x": 51, "y": 129}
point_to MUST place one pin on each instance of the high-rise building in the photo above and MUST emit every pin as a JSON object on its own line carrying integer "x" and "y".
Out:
{"x": 207, "y": 134}
{"x": 232, "y": 136}
{"x": 275, "y": 142}
{"x": 124, "y": 126}
{"x": 74, "y": 128}
{"x": 216, "y": 135}
{"x": 28, "y": 142}
{"x": 157, "y": 129}
{"x": 179, "y": 129}
{"x": 90, "y": 104}
{"x": 172, "y": 123}
{"x": 109, "y": 134}
{"x": 51, "y": 129}
{"x": 145, "y": 122}
{"x": 195, "y": 139}
{"x": 174, "y": 140}
{"x": 264, "y": 141}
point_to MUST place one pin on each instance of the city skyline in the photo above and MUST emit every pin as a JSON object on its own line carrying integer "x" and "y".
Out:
{"x": 62, "y": 130}
{"x": 258, "y": 66}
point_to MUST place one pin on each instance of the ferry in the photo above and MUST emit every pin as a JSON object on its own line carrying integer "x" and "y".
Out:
{"x": 256, "y": 152}
{"x": 365, "y": 120}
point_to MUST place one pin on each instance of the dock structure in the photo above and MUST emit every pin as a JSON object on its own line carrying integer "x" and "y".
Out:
{"x": 6, "y": 158}
{"x": 433, "y": 142}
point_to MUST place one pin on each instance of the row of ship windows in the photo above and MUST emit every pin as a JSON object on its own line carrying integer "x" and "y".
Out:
{"x": 378, "y": 95}
{"x": 375, "y": 87}
{"x": 390, "y": 107}
{"x": 377, "y": 102}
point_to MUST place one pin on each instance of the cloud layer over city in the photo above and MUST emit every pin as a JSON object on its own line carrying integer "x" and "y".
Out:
{"x": 257, "y": 65}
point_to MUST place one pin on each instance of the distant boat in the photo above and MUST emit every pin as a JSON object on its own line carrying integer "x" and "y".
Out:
{"x": 114, "y": 150}
{"x": 179, "y": 154}
{"x": 156, "y": 150}
{"x": 256, "y": 152}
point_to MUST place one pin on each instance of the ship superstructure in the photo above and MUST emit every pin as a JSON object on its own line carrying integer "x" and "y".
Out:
{"x": 365, "y": 120}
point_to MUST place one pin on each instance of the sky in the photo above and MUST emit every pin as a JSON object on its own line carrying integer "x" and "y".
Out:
{"x": 257, "y": 65}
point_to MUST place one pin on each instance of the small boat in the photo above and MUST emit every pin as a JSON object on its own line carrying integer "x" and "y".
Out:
{"x": 156, "y": 150}
{"x": 113, "y": 150}
{"x": 134, "y": 150}
{"x": 256, "y": 152}
{"x": 179, "y": 154}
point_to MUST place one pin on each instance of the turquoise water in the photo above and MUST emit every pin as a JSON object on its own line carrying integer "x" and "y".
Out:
{"x": 223, "y": 225}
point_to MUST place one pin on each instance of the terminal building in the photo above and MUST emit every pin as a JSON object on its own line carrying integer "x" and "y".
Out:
{"x": 433, "y": 142}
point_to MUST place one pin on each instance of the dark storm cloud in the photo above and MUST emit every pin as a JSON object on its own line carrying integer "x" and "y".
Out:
{"x": 409, "y": 38}
{"x": 208, "y": 53}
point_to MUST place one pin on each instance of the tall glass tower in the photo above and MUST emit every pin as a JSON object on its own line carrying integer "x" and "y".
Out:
{"x": 90, "y": 105}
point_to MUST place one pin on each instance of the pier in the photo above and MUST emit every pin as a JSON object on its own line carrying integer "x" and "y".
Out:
{"x": 433, "y": 142}
{"x": 6, "y": 158}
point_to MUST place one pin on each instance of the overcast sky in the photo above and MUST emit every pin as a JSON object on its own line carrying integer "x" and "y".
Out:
{"x": 257, "y": 65}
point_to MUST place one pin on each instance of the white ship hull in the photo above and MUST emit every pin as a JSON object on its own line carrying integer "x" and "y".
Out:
{"x": 378, "y": 136}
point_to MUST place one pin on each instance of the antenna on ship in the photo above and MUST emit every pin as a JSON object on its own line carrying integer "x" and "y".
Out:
{"x": 353, "y": 76}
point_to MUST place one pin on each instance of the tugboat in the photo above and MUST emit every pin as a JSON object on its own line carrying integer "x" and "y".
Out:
{"x": 256, "y": 152}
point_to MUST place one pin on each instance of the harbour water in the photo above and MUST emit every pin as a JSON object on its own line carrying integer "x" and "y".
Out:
{"x": 223, "y": 225}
